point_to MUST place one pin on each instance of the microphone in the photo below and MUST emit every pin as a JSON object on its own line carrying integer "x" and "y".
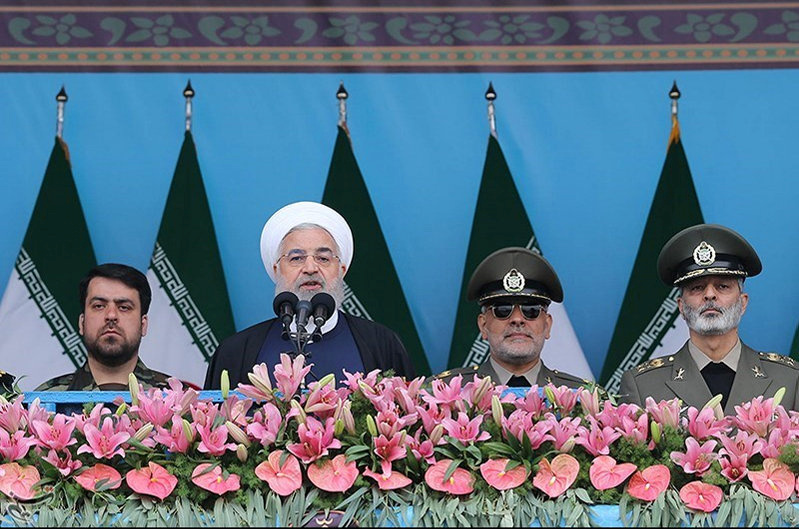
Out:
{"x": 284, "y": 306}
{"x": 304, "y": 310}
{"x": 323, "y": 306}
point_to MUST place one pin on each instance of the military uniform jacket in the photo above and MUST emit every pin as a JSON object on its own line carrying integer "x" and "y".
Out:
{"x": 545, "y": 375}
{"x": 82, "y": 379}
{"x": 678, "y": 375}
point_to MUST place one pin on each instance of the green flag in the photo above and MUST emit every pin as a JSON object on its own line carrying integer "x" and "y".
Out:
{"x": 500, "y": 220}
{"x": 39, "y": 311}
{"x": 649, "y": 324}
{"x": 190, "y": 312}
{"x": 795, "y": 346}
{"x": 346, "y": 192}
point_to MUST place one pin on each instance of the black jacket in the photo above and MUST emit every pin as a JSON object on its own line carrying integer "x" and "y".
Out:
{"x": 379, "y": 346}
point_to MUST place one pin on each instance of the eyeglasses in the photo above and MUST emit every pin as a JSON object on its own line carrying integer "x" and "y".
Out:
{"x": 503, "y": 311}
{"x": 297, "y": 259}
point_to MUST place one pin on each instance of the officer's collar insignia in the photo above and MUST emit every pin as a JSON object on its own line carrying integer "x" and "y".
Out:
{"x": 680, "y": 373}
{"x": 704, "y": 254}
{"x": 513, "y": 281}
{"x": 758, "y": 372}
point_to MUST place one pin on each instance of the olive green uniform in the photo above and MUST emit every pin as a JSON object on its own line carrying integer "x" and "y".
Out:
{"x": 82, "y": 380}
{"x": 545, "y": 375}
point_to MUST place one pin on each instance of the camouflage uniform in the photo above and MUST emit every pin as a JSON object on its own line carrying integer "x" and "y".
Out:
{"x": 82, "y": 380}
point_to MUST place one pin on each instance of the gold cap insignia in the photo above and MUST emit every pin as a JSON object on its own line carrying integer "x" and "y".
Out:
{"x": 704, "y": 254}
{"x": 513, "y": 281}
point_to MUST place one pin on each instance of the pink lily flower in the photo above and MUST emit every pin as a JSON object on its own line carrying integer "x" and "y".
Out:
{"x": 478, "y": 393}
{"x": 388, "y": 450}
{"x": 697, "y": 458}
{"x": 152, "y": 407}
{"x": 283, "y": 479}
{"x": 565, "y": 398}
{"x": 18, "y": 482}
{"x": 703, "y": 424}
{"x": 520, "y": 423}
{"x": 215, "y": 480}
{"x": 261, "y": 388}
{"x": 422, "y": 449}
{"x": 775, "y": 480}
{"x": 174, "y": 439}
{"x": 57, "y": 435}
{"x": 333, "y": 475}
{"x": 495, "y": 473}
{"x": 153, "y": 480}
{"x": 13, "y": 416}
{"x": 90, "y": 478}
{"x": 103, "y": 443}
{"x": 554, "y": 478}
{"x": 395, "y": 480}
{"x": 665, "y": 412}
{"x": 315, "y": 440}
{"x": 635, "y": 429}
{"x": 619, "y": 416}
{"x": 213, "y": 440}
{"x": 464, "y": 430}
{"x": 447, "y": 395}
{"x": 94, "y": 418}
{"x": 432, "y": 416}
{"x": 322, "y": 401}
{"x": 459, "y": 483}
{"x": 742, "y": 445}
{"x": 734, "y": 467}
{"x": 564, "y": 432}
{"x": 647, "y": 484}
{"x": 290, "y": 374}
{"x": 351, "y": 380}
{"x": 755, "y": 416}
{"x": 389, "y": 421}
{"x": 203, "y": 412}
{"x": 701, "y": 496}
{"x": 64, "y": 464}
{"x": 606, "y": 473}
{"x": 598, "y": 439}
{"x": 235, "y": 409}
{"x": 265, "y": 424}
{"x": 15, "y": 446}
{"x": 589, "y": 400}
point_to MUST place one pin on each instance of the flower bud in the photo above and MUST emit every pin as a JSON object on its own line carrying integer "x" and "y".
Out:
{"x": 338, "y": 427}
{"x": 655, "y": 429}
{"x": 133, "y": 385}
{"x": 481, "y": 390}
{"x": 568, "y": 446}
{"x": 224, "y": 384}
{"x": 241, "y": 453}
{"x": 301, "y": 415}
{"x": 143, "y": 432}
{"x": 187, "y": 431}
{"x": 712, "y": 402}
{"x": 346, "y": 415}
{"x": 371, "y": 426}
{"x": 121, "y": 409}
{"x": 550, "y": 395}
{"x": 778, "y": 396}
{"x": 237, "y": 433}
{"x": 327, "y": 379}
{"x": 496, "y": 410}
{"x": 437, "y": 434}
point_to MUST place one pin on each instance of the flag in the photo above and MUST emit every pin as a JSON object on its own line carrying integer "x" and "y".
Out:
{"x": 190, "y": 311}
{"x": 39, "y": 311}
{"x": 649, "y": 325}
{"x": 795, "y": 346}
{"x": 346, "y": 192}
{"x": 500, "y": 220}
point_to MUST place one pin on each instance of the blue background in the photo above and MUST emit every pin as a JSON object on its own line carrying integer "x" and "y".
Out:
{"x": 585, "y": 149}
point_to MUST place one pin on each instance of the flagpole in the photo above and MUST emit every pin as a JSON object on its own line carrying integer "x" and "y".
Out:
{"x": 342, "y": 95}
{"x": 188, "y": 93}
{"x": 61, "y": 98}
{"x": 490, "y": 96}
{"x": 674, "y": 94}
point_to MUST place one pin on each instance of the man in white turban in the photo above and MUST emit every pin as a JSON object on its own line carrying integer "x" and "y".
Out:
{"x": 307, "y": 248}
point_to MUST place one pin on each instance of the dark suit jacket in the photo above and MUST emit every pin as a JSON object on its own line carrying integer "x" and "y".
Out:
{"x": 545, "y": 375}
{"x": 379, "y": 347}
{"x": 677, "y": 375}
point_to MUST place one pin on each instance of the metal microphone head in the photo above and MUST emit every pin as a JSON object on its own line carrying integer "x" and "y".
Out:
{"x": 284, "y": 305}
{"x": 304, "y": 310}
{"x": 323, "y": 307}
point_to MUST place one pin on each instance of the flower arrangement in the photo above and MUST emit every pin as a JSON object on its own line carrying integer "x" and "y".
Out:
{"x": 383, "y": 450}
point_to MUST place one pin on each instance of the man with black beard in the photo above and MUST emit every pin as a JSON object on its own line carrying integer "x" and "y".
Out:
{"x": 514, "y": 287}
{"x": 307, "y": 248}
{"x": 709, "y": 263}
{"x": 115, "y": 299}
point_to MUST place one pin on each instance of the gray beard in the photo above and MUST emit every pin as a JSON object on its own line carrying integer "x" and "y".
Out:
{"x": 728, "y": 320}
{"x": 335, "y": 288}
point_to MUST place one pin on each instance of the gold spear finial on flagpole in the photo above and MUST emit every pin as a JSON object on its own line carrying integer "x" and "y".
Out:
{"x": 490, "y": 96}
{"x": 188, "y": 93}
{"x": 61, "y": 99}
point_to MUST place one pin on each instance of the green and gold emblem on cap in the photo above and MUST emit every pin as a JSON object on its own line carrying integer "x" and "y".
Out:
{"x": 513, "y": 282}
{"x": 704, "y": 254}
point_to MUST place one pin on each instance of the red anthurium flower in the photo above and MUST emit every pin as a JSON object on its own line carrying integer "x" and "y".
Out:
{"x": 605, "y": 473}
{"x": 153, "y": 480}
{"x": 775, "y": 480}
{"x": 647, "y": 484}
{"x": 334, "y": 475}
{"x": 282, "y": 479}
{"x": 89, "y": 478}
{"x": 460, "y": 482}
{"x": 18, "y": 482}
{"x": 395, "y": 480}
{"x": 493, "y": 471}
{"x": 701, "y": 496}
{"x": 554, "y": 478}
{"x": 214, "y": 480}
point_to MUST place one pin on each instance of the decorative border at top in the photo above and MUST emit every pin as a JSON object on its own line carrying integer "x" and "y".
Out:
{"x": 78, "y": 37}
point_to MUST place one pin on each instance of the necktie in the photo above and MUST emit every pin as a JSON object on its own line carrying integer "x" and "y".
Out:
{"x": 719, "y": 377}
{"x": 518, "y": 382}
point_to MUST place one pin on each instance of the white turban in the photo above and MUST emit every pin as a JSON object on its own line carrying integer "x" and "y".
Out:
{"x": 298, "y": 213}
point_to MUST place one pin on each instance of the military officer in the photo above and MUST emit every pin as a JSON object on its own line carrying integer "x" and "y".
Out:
{"x": 514, "y": 287}
{"x": 709, "y": 263}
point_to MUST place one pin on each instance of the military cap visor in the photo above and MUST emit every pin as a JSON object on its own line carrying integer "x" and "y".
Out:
{"x": 516, "y": 273}
{"x": 706, "y": 249}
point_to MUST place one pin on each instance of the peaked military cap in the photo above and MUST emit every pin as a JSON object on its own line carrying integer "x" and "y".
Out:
{"x": 514, "y": 272}
{"x": 706, "y": 249}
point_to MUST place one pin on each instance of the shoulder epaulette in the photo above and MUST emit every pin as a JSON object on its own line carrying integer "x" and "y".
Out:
{"x": 779, "y": 359}
{"x": 457, "y": 371}
{"x": 653, "y": 364}
{"x": 573, "y": 378}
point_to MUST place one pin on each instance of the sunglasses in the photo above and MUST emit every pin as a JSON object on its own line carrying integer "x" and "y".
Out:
{"x": 529, "y": 311}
